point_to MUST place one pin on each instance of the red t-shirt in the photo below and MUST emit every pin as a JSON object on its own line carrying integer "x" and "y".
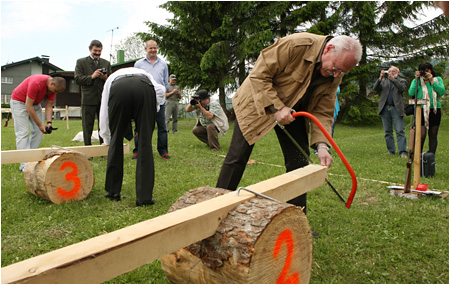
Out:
{"x": 34, "y": 87}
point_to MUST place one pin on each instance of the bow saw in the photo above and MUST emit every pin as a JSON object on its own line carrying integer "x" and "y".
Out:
{"x": 336, "y": 148}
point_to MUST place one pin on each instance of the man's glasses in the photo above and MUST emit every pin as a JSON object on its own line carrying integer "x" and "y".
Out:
{"x": 335, "y": 69}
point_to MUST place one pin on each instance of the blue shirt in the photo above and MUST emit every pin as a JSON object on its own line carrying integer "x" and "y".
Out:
{"x": 159, "y": 71}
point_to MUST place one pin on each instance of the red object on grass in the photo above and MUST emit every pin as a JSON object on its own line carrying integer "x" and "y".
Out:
{"x": 422, "y": 187}
{"x": 338, "y": 151}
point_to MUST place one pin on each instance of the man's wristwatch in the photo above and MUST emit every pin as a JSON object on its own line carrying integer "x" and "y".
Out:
{"x": 49, "y": 122}
{"x": 322, "y": 145}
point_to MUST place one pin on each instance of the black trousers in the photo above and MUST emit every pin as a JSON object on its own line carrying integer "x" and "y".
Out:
{"x": 88, "y": 113}
{"x": 239, "y": 152}
{"x": 131, "y": 98}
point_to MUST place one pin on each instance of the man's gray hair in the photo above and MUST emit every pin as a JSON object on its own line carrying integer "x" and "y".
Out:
{"x": 346, "y": 43}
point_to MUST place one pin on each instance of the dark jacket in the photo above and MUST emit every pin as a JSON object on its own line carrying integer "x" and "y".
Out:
{"x": 91, "y": 90}
{"x": 399, "y": 85}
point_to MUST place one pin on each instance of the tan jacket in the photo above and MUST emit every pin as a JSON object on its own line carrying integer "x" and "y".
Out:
{"x": 281, "y": 77}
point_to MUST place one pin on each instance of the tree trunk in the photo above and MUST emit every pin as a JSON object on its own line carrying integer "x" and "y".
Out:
{"x": 260, "y": 241}
{"x": 60, "y": 176}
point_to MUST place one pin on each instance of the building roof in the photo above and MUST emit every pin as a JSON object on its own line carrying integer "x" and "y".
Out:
{"x": 37, "y": 58}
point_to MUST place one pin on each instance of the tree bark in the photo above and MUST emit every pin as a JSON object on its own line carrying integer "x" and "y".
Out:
{"x": 60, "y": 176}
{"x": 260, "y": 241}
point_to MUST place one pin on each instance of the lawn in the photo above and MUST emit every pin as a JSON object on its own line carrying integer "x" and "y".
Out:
{"x": 380, "y": 239}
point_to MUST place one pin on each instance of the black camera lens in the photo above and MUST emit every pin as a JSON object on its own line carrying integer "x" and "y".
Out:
{"x": 193, "y": 102}
{"x": 423, "y": 73}
{"x": 48, "y": 130}
{"x": 103, "y": 70}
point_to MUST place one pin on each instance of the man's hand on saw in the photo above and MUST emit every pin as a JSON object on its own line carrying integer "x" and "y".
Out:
{"x": 324, "y": 157}
{"x": 283, "y": 116}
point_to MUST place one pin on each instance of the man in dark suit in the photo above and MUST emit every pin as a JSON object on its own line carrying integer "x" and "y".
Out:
{"x": 391, "y": 108}
{"x": 91, "y": 73}
{"x": 130, "y": 94}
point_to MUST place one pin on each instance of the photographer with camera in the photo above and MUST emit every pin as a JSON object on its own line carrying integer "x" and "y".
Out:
{"x": 429, "y": 87}
{"x": 27, "y": 111}
{"x": 211, "y": 119}
{"x": 91, "y": 73}
{"x": 391, "y": 109}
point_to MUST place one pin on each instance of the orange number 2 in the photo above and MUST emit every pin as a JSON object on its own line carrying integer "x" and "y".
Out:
{"x": 71, "y": 176}
{"x": 286, "y": 236}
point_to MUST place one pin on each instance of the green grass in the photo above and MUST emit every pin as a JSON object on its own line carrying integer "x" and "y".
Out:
{"x": 380, "y": 239}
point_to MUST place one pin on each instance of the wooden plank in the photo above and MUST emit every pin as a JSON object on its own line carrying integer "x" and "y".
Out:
{"x": 29, "y": 155}
{"x": 419, "y": 101}
{"x": 107, "y": 256}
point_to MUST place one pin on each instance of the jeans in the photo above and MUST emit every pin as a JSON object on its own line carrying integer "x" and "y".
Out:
{"x": 389, "y": 117}
{"x": 22, "y": 125}
{"x": 162, "y": 133}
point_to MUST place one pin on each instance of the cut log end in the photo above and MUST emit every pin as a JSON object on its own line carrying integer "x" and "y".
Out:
{"x": 60, "y": 176}
{"x": 260, "y": 241}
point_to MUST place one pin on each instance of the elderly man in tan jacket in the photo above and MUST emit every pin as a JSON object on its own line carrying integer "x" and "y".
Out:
{"x": 301, "y": 72}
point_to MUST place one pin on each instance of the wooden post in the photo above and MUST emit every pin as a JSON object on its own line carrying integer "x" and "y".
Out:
{"x": 109, "y": 255}
{"x": 259, "y": 241}
{"x": 67, "y": 116}
{"x": 60, "y": 176}
{"x": 418, "y": 142}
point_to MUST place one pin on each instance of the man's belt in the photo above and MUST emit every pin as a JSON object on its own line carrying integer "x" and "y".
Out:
{"x": 129, "y": 75}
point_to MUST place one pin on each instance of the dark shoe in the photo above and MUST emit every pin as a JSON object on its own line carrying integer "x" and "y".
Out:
{"x": 165, "y": 155}
{"x": 134, "y": 156}
{"x": 113, "y": 197}
{"x": 146, "y": 203}
{"x": 90, "y": 158}
{"x": 314, "y": 235}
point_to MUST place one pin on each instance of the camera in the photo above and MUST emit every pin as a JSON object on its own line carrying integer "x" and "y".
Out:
{"x": 423, "y": 73}
{"x": 49, "y": 130}
{"x": 195, "y": 100}
{"x": 103, "y": 70}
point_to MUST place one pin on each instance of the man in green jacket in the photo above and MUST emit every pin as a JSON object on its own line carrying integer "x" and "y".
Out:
{"x": 301, "y": 71}
{"x": 91, "y": 73}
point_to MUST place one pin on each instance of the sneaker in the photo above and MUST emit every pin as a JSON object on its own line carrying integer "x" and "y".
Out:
{"x": 404, "y": 155}
{"x": 174, "y": 132}
{"x": 314, "y": 235}
{"x": 134, "y": 156}
{"x": 165, "y": 156}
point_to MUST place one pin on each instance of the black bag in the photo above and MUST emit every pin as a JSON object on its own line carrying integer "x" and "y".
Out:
{"x": 409, "y": 110}
{"x": 427, "y": 164}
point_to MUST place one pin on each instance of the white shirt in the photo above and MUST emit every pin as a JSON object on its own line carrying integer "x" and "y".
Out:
{"x": 160, "y": 91}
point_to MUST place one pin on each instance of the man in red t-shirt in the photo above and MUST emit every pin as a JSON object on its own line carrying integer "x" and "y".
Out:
{"x": 27, "y": 111}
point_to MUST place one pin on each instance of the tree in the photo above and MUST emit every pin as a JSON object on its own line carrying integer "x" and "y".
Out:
{"x": 133, "y": 46}
{"x": 382, "y": 30}
{"x": 213, "y": 45}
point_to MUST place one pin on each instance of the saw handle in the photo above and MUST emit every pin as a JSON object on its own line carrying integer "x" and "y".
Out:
{"x": 338, "y": 151}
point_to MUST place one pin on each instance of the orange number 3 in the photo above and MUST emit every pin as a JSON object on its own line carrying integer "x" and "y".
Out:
{"x": 71, "y": 176}
{"x": 286, "y": 236}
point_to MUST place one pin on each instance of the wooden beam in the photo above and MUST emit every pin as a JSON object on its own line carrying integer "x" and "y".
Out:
{"x": 107, "y": 256}
{"x": 29, "y": 155}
